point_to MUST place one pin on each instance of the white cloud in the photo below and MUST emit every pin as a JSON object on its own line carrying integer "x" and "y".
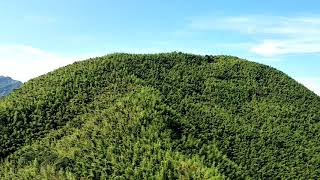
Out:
{"x": 25, "y": 62}
{"x": 282, "y": 47}
{"x": 274, "y": 35}
{"x": 278, "y": 25}
{"x": 313, "y": 83}
{"x": 268, "y": 48}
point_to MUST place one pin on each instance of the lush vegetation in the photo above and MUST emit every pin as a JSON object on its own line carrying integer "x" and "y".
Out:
{"x": 7, "y": 85}
{"x": 161, "y": 116}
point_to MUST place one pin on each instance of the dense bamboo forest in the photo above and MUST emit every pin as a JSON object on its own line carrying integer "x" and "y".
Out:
{"x": 161, "y": 116}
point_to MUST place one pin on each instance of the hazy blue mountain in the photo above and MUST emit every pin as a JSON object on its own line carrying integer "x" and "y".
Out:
{"x": 7, "y": 85}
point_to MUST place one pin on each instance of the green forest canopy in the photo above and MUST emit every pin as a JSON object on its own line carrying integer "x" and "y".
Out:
{"x": 165, "y": 116}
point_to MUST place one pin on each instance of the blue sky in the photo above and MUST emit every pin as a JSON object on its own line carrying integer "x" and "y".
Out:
{"x": 37, "y": 36}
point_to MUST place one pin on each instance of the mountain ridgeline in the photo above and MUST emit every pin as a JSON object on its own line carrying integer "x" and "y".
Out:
{"x": 161, "y": 116}
{"x": 7, "y": 85}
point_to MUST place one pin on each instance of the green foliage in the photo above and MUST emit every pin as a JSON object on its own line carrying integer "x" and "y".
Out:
{"x": 161, "y": 116}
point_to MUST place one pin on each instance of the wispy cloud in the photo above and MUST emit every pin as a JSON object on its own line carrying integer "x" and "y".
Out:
{"x": 286, "y": 46}
{"x": 25, "y": 62}
{"x": 258, "y": 24}
{"x": 313, "y": 83}
{"x": 274, "y": 35}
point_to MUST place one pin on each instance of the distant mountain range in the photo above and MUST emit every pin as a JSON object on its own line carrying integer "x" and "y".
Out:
{"x": 7, "y": 85}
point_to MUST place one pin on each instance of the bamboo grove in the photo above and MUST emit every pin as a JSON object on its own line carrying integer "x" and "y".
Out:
{"x": 161, "y": 116}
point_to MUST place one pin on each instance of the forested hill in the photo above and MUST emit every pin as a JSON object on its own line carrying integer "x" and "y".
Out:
{"x": 7, "y": 85}
{"x": 165, "y": 116}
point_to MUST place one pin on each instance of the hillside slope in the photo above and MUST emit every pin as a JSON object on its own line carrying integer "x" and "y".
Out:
{"x": 162, "y": 116}
{"x": 7, "y": 85}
